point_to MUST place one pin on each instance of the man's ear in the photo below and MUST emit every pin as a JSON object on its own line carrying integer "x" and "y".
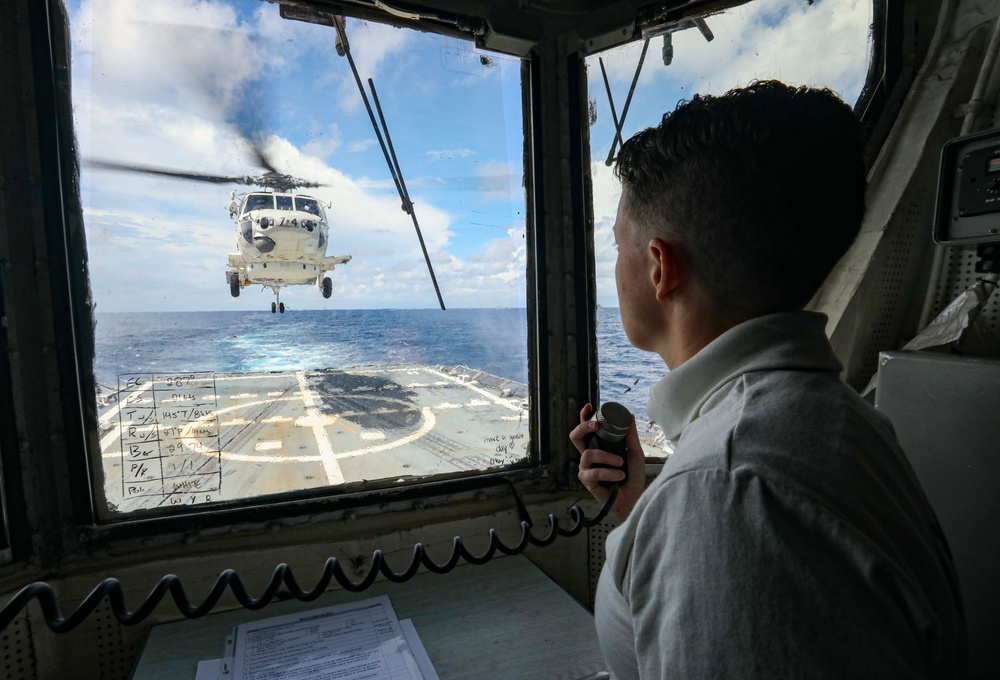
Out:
{"x": 666, "y": 266}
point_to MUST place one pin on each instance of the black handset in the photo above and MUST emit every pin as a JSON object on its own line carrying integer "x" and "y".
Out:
{"x": 613, "y": 423}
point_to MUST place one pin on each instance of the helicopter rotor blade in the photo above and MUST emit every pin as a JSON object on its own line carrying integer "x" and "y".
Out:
{"x": 165, "y": 172}
{"x": 258, "y": 155}
{"x": 244, "y": 128}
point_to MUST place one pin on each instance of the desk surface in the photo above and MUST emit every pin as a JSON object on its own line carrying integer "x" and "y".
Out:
{"x": 503, "y": 620}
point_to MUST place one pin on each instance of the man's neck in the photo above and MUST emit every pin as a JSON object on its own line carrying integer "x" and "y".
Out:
{"x": 688, "y": 334}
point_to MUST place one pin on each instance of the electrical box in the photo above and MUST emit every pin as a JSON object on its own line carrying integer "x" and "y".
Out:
{"x": 968, "y": 198}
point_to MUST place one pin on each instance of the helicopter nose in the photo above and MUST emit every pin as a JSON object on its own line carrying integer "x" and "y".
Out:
{"x": 263, "y": 244}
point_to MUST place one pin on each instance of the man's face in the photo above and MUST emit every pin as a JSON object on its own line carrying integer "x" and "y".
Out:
{"x": 636, "y": 294}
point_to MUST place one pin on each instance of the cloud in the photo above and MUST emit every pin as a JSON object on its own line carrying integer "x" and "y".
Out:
{"x": 160, "y": 49}
{"x": 372, "y": 45}
{"x": 323, "y": 144}
{"x": 449, "y": 154}
{"x": 361, "y": 145}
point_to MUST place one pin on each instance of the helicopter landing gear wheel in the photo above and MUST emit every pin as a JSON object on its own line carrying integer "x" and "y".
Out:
{"x": 274, "y": 307}
{"x": 234, "y": 284}
{"x": 281, "y": 307}
{"x": 327, "y": 287}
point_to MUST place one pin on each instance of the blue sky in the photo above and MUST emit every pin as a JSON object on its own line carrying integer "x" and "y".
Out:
{"x": 163, "y": 82}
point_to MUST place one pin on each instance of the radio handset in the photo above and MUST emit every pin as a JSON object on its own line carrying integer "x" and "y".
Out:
{"x": 613, "y": 423}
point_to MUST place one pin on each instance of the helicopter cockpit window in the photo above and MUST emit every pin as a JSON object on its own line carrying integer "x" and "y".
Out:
{"x": 308, "y": 205}
{"x": 819, "y": 44}
{"x": 259, "y": 202}
{"x": 243, "y": 360}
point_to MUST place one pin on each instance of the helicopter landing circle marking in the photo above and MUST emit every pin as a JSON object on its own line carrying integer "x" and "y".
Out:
{"x": 427, "y": 416}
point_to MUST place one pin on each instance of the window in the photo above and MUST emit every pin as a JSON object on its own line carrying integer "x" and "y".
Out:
{"x": 259, "y": 202}
{"x": 300, "y": 345}
{"x": 309, "y": 205}
{"x": 819, "y": 44}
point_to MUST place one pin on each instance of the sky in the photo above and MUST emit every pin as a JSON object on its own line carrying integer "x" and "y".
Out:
{"x": 180, "y": 84}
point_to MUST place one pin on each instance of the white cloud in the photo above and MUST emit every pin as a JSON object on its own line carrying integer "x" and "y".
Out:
{"x": 371, "y": 46}
{"x": 449, "y": 154}
{"x": 198, "y": 49}
{"x": 361, "y": 145}
{"x": 323, "y": 144}
{"x": 494, "y": 182}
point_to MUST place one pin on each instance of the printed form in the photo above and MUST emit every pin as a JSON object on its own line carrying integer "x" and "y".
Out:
{"x": 360, "y": 641}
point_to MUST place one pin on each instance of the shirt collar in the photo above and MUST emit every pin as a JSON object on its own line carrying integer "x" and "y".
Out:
{"x": 784, "y": 341}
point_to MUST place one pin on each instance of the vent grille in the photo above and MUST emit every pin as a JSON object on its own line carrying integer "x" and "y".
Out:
{"x": 596, "y": 536}
{"x": 18, "y": 651}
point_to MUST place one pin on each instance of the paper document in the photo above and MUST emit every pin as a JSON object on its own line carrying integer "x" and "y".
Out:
{"x": 359, "y": 641}
{"x": 419, "y": 653}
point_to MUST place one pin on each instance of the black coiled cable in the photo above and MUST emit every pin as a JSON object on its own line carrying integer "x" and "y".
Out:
{"x": 112, "y": 588}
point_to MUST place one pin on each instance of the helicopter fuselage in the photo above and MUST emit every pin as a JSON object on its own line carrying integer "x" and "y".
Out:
{"x": 281, "y": 240}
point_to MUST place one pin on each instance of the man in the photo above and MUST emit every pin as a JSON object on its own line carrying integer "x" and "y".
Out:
{"x": 787, "y": 536}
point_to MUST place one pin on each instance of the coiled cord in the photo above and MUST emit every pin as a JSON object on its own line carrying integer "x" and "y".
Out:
{"x": 112, "y": 588}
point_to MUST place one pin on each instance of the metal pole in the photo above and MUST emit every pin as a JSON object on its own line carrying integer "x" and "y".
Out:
{"x": 628, "y": 101}
{"x": 405, "y": 194}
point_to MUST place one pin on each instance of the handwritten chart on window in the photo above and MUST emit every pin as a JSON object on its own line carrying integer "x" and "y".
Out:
{"x": 169, "y": 428}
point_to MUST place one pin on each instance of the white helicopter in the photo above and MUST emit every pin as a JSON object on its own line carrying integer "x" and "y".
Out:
{"x": 282, "y": 238}
{"x": 281, "y": 235}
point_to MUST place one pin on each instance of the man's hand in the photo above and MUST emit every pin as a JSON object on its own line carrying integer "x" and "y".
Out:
{"x": 592, "y": 477}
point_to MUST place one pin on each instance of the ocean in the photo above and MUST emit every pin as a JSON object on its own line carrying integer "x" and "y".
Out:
{"x": 491, "y": 340}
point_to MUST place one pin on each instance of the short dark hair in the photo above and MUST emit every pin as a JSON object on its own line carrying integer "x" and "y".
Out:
{"x": 763, "y": 187}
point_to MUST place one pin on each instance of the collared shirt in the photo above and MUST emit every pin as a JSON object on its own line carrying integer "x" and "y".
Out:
{"x": 786, "y": 537}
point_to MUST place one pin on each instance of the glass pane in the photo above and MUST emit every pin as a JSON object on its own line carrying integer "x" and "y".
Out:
{"x": 265, "y": 318}
{"x": 819, "y": 44}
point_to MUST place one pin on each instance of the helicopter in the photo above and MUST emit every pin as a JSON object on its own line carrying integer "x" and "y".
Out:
{"x": 281, "y": 235}
{"x": 281, "y": 240}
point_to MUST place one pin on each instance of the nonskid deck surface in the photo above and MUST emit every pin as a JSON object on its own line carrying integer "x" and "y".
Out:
{"x": 185, "y": 438}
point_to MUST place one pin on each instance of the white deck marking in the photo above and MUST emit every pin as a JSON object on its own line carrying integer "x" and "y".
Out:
{"x": 268, "y": 446}
{"x": 315, "y": 420}
{"x": 275, "y": 394}
{"x": 372, "y": 435}
{"x": 445, "y": 406}
{"x": 244, "y": 395}
{"x": 506, "y": 403}
{"x": 334, "y": 475}
{"x": 478, "y": 402}
{"x": 429, "y": 422}
{"x": 234, "y": 421}
{"x": 277, "y": 419}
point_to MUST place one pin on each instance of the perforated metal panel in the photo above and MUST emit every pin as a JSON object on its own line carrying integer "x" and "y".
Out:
{"x": 596, "y": 536}
{"x": 18, "y": 651}
{"x": 895, "y": 268}
{"x": 99, "y": 649}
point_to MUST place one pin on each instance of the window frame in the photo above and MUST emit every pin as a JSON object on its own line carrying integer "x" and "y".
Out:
{"x": 284, "y": 506}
